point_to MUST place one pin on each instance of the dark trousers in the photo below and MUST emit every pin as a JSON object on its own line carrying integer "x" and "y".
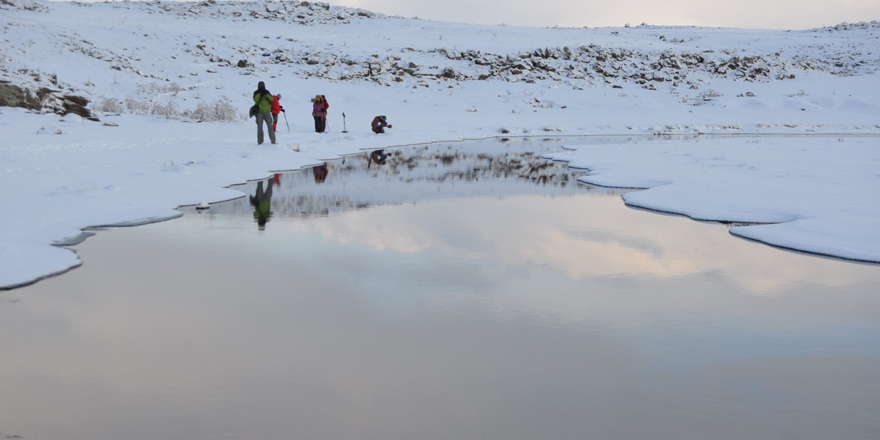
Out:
{"x": 320, "y": 123}
{"x": 267, "y": 118}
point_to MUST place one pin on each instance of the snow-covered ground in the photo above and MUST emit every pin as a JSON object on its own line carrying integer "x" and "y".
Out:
{"x": 153, "y": 70}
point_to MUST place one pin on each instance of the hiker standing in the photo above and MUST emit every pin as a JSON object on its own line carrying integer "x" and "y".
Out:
{"x": 263, "y": 100}
{"x": 276, "y": 108}
{"x": 379, "y": 124}
{"x": 319, "y": 112}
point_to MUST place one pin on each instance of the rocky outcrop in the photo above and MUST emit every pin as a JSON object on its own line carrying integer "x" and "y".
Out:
{"x": 23, "y": 4}
{"x": 15, "y": 96}
{"x": 592, "y": 63}
{"x": 43, "y": 100}
{"x": 294, "y": 12}
{"x": 76, "y": 105}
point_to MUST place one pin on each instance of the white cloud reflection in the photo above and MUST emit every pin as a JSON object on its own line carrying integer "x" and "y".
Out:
{"x": 582, "y": 239}
{"x": 515, "y": 316}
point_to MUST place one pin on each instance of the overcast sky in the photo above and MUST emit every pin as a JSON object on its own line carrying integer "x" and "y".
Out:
{"x": 772, "y": 14}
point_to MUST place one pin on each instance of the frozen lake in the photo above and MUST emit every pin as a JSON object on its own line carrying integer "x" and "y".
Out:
{"x": 457, "y": 291}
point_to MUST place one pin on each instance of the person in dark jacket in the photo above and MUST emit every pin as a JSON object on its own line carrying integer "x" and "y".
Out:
{"x": 276, "y": 108}
{"x": 319, "y": 112}
{"x": 379, "y": 124}
{"x": 263, "y": 99}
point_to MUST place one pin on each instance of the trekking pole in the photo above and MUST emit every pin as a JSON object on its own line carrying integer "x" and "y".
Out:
{"x": 344, "y": 129}
{"x": 285, "y": 122}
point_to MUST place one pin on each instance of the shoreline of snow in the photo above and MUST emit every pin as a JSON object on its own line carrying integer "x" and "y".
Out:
{"x": 809, "y": 193}
{"x": 35, "y": 255}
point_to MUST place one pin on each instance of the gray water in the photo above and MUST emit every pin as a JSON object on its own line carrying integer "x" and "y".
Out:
{"x": 447, "y": 294}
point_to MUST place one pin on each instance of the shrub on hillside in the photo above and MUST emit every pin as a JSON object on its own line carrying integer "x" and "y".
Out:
{"x": 220, "y": 110}
{"x": 153, "y": 89}
{"x": 168, "y": 110}
{"x": 109, "y": 105}
{"x": 137, "y": 107}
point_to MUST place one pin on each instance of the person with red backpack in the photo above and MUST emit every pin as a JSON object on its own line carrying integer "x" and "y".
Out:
{"x": 379, "y": 124}
{"x": 319, "y": 112}
{"x": 276, "y": 108}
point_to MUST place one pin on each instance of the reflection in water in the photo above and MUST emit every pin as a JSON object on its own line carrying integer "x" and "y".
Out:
{"x": 418, "y": 174}
{"x": 377, "y": 157}
{"x": 320, "y": 172}
{"x": 465, "y": 304}
{"x": 261, "y": 201}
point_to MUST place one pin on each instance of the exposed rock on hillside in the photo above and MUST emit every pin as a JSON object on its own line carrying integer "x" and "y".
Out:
{"x": 298, "y": 12}
{"x": 43, "y": 100}
{"x": 597, "y": 64}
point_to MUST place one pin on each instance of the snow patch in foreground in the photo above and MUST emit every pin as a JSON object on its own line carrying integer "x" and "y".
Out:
{"x": 25, "y": 264}
{"x": 852, "y": 238}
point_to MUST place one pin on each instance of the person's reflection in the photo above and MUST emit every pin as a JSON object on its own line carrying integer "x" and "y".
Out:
{"x": 320, "y": 172}
{"x": 261, "y": 202}
{"x": 378, "y": 157}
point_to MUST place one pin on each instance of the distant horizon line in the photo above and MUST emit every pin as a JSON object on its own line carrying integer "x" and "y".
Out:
{"x": 503, "y": 24}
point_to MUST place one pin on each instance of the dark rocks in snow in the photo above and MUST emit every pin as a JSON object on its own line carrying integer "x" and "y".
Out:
{"x": 298, "y": 12}
{"x": 43, "y": 100}
{"x": 587, "y": 63}
{"x": 23, "y": 4}
{"x": 874, "y": 24}
{"x": 76, "y": 105}
{"x": 16, "y": 96}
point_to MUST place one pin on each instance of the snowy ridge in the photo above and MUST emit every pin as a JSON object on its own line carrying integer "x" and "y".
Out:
{"x": 286, "y": 35}
{"x": 294, "y": 12}
{"x": 840, "y": 27}
{"x": 300, "y": 12}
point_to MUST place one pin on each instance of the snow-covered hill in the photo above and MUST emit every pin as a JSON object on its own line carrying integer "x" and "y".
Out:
{"x": 185, "y": 51}
{"x": 146, "y": 71}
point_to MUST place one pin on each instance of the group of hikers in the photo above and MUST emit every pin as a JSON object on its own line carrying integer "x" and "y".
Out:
{"x": 267, "y": 107}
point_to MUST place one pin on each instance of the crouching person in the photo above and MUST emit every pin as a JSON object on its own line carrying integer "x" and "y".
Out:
{"x": 379, "y": 124}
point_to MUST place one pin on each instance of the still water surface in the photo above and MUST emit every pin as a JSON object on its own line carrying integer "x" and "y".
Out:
{"x": 474, "y": 300}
